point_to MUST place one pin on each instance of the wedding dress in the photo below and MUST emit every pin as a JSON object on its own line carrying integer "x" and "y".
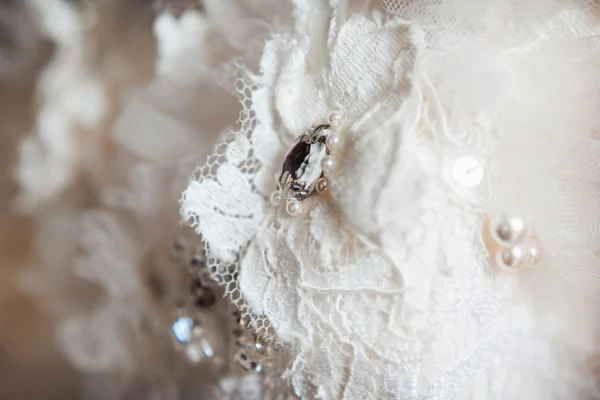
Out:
{"x": 451, "y": 251}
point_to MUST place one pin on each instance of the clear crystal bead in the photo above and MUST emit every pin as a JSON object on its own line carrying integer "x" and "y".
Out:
{"x": 182, "y": 329}
{"x": 301, "y": 168}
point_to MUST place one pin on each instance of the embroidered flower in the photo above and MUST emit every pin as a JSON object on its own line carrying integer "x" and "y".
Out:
{"x": 306, "y": 274}
{"x": 381, "y": 285}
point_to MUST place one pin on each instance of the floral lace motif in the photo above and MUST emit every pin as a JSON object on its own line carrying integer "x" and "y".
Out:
{"x": 382, "y": 286}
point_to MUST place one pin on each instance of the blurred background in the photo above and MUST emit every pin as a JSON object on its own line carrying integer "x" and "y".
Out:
{"x": 31, "y": 366}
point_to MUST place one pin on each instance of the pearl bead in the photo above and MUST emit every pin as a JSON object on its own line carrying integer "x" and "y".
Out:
{"x": 293, "y": 207}
{"x": 276, "y": 198}
{"x": 327, "y": 163}
{"x": 334, "y": 119}
{"x": 512, "y": 259}
{"x": 333, "y": 141}
{"x": 509, "y": 231}
{"x": 246, "y": 362}
{"x": 321, "y": 185}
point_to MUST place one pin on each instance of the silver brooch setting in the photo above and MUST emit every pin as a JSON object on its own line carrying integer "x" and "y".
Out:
{"x": 306, "y": 166}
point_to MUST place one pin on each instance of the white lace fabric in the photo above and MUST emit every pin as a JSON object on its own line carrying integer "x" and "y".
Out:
{"x": 382, "y": 287}
{"x": 452, "y": 111}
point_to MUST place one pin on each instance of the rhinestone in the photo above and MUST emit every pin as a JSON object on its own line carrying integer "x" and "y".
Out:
{"x": 255, "y": 367}
{"x": 207, "y": 349}
{"x": 205, "y": 298}
{"x": 193, "y": 353}
{"x": 198, "y": 351}
{"x": 302, "y": 166}
{"x": 182, "y": 329}
{"x": 245, "y": 363}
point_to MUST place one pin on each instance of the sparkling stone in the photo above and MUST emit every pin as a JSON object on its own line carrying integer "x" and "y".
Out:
{"x": 260, "y": 345}
{"x": 198, "y": 351}
{"x": 302, "y": 166}
{"x": 193, "y": 353}
{"x": 207, "y": 348}
{"x": 246, "y": 363}
{"x": 182, "y": 329}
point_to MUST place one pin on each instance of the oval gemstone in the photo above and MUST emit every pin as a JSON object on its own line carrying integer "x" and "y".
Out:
{"x": 302, "y": 165}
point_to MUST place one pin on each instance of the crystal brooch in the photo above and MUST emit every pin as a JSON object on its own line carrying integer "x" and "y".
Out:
{"x": 306, "y": 163}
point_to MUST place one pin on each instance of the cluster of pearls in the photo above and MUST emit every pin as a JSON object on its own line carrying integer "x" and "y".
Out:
{"x": 327, "y": 163}
{"x": 514, "y": 246}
